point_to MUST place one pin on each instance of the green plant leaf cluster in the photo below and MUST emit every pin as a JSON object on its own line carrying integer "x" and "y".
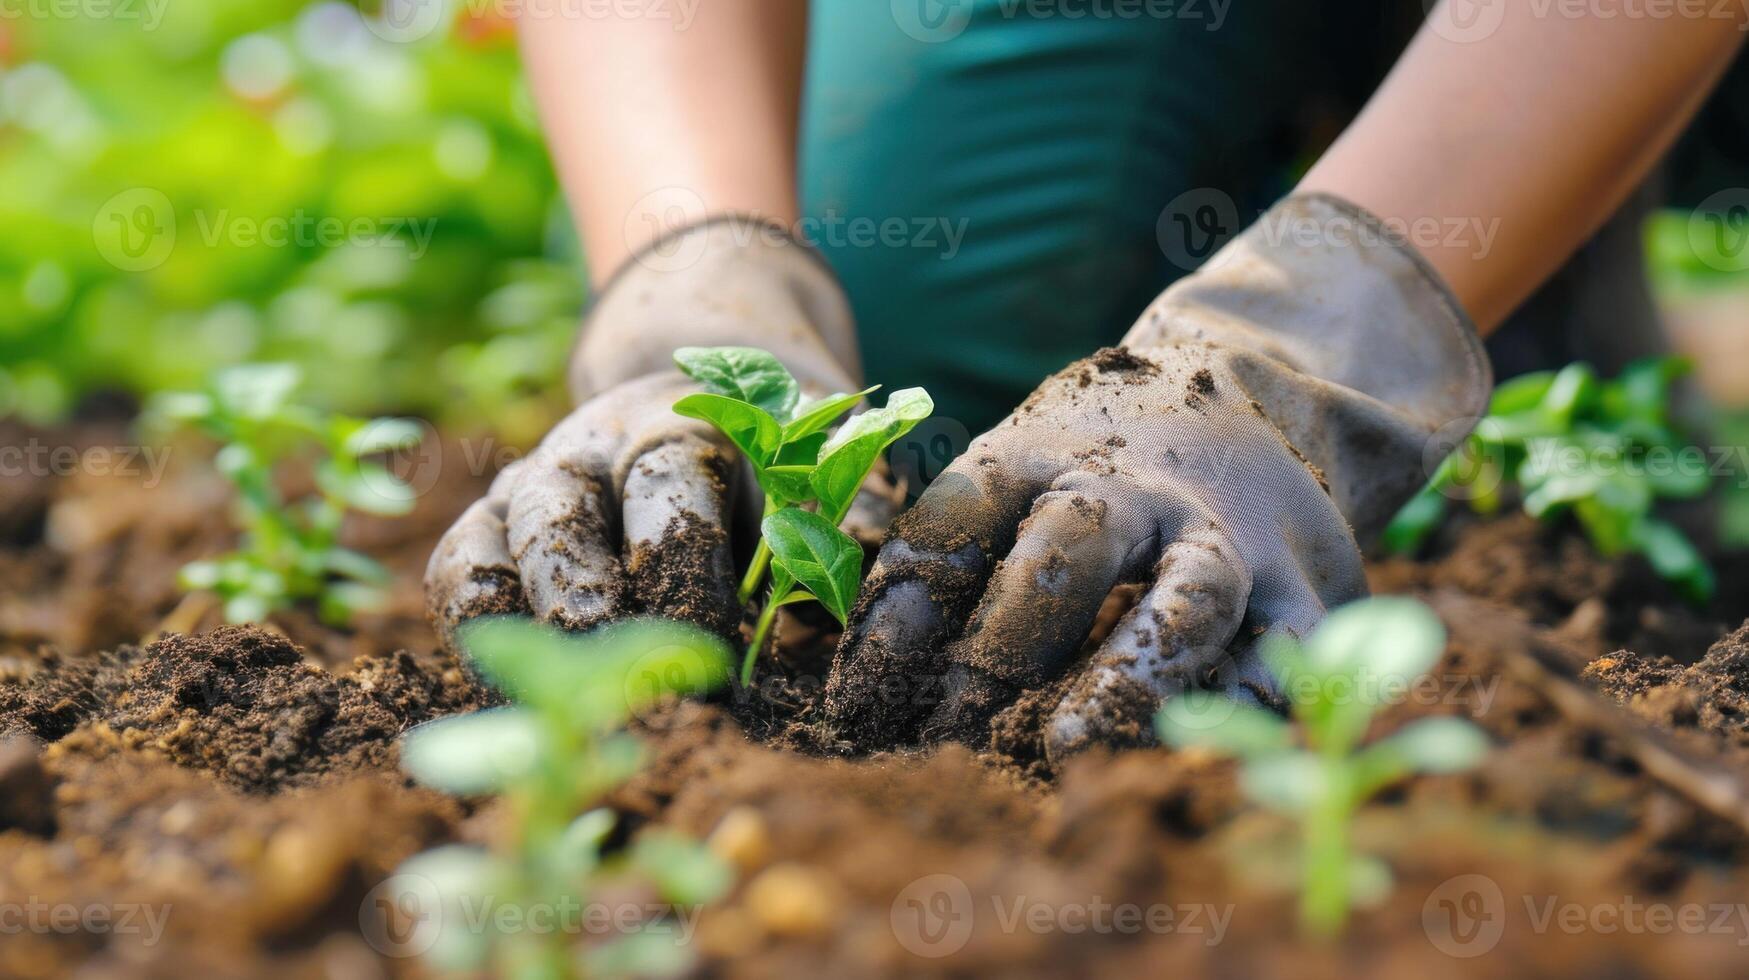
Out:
{"x": 1321, "y": 770}
{"x": 290, "y": 548}
{"x": 1569, "y": 443}
{"x": 753, "y": 400}
{"x": 266, "y": 125}
{"x": 552, "y": 756}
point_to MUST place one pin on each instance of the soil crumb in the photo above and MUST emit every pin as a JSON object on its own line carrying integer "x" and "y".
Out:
{"x": 243, "y": 704}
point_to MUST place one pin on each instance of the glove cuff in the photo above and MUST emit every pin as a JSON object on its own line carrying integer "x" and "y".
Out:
{"x": 1349, "y": 340}
{"x": 728, "y": 279}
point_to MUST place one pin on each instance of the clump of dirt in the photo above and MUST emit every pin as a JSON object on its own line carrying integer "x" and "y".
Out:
{"x": 242, "y": 703}
{"x": 1200, "y": 389}
{"x": 1550, "y": 572}
{"x": 1711, "y": 695}
{"x": 686, "y": 575}
{"x": 1120, "y": 360}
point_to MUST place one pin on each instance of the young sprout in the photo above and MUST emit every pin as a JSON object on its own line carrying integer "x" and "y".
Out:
{"x": 1334, "y": 681}
{"x": 753, "y": 400}
{"x": 551, "y": 757}
{"x": 1603, "y": 451}
{"x": 290, "y": 549}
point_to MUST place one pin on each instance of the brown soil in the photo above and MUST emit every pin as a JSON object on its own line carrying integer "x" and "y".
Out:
{"x": 244, "y": 781}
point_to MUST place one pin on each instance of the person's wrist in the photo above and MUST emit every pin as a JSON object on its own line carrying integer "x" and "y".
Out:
{"x": 727, "y": 280}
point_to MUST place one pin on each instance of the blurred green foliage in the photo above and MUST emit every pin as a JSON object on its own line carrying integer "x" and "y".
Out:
{"x": 279, "y": 167}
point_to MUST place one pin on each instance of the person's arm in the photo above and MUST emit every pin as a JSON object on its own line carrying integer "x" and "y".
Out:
{"x": 654, "y": 121}
{"x": 675, "y": 143}
{"x": 1544, "y": 125}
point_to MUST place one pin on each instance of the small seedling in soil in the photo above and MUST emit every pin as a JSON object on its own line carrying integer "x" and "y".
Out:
{"x": 290, "y": 549}
{"x": 550, "y": 757}
{"x": 1334, "y": 682}
{"x": 754, "y": 401}
{"x": 1603, "y": 451}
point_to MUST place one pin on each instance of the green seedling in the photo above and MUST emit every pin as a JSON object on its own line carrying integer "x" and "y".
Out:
{"x": 1321, "y": 773}
{"x": 551, "y": 757}
{"x": 1603, "y": 451}
{"x": 753, "y": 400}
{"x": 290, "y": 549}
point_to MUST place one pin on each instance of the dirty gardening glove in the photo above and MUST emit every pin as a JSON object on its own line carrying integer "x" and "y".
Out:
{"x": 1259, "y": 409}
{"x": 625, "y": 507}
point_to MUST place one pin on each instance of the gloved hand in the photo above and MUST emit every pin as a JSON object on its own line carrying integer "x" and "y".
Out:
{"x": 626, "y": 507}
{"x": 1260, "y": 407}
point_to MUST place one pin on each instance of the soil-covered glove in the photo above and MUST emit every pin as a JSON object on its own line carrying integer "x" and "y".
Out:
{"x": 626, "y": 507}
{"x": 1260, "y": 414}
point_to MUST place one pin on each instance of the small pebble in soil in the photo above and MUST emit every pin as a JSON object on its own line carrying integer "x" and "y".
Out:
{"x": 742, "y": 839}
{"x": 793, "y": 900}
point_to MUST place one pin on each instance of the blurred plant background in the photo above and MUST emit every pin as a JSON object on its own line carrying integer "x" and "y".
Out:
{"x": 148, "y": 146}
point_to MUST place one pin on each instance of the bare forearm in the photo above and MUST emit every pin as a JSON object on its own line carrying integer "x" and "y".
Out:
{"x": 652, "y": 122}
{"x": 1531, "y": 137}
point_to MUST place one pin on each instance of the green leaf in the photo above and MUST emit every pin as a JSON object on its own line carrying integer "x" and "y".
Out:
{"x": 456, "y": 877}
{"x": 256, "y": 391}
{"x": 813, "y": 551}
{"x": 1521, "y": 393}
{"x": 247, "y": 608}
{"x": 578, "y": 850}
{"x": 601, "y": 678}
{"x": 750, "y": 428}
{"x": 662, "y": 660}
{"x": 1369, "y": 880}
{"x": 684, "y": 871}
{"x": 745, "y": 374}
{"x": 479, "y": 753}
{"x": 350, "y": 564}
{"x": 1384, "y": 637}
{"x": 789, "y": 484}
{"x": 1420, "y": 517}
{"x": 1675, "y": 559}
{"x": 199, "y": 575}
{"x": 182, "y": 406}
{"x": 847, "y": 457}
{"x": 367, "y": 487}
{"x": 1288, "y": 781}
{"x": 1204, "y": 719}
{"x": 817, "y": 416}
{"x": 1572, "y": 389}
{"x": 1434, "y": 745}
{"x": 652, "y": 951}
{"x": 341, "y": 601}
{"x": 788, "y": 478}
{"x": 381, "y": 436}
